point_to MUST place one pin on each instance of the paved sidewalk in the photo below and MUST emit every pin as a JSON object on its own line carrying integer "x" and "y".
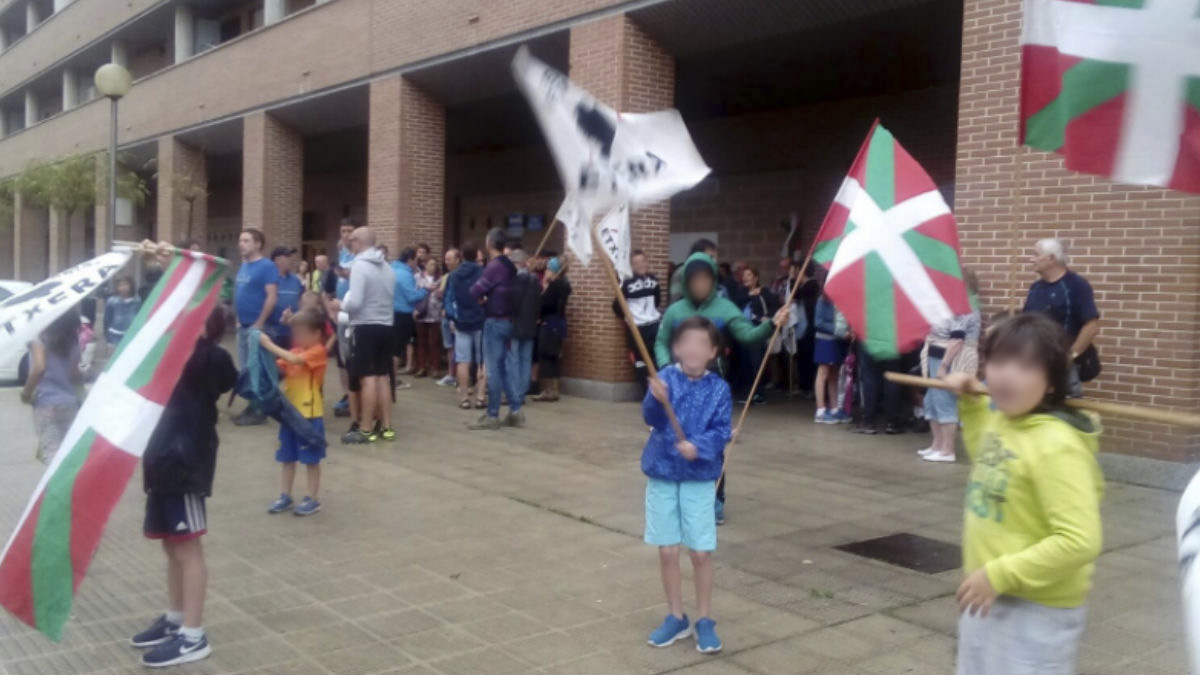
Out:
{"x": 520, "y": 551}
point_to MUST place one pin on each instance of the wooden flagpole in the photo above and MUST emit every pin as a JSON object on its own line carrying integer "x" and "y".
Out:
{"x": 1014, "y": 230}
{"x": 647, "y": 357}
{"x": 1103, "y": 407}
{"x": 545, "y": 238}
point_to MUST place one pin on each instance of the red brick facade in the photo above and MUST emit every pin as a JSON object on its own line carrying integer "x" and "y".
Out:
{"x": 182, "y": 172}
{"x": 1139, "y": 247}
{"x": 619, "y": 64}
{"x": 406, "y": 167}
{"x": 272, "y": 179}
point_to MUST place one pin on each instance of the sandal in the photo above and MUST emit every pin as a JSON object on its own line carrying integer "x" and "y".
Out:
{"x": 465, "y": 404}
{"x": 480, "y": 403}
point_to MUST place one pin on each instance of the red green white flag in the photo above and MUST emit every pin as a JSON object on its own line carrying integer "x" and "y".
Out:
{"x": 890, "y": 244}
{"x": 46, "y": 558}
{"x": 1114, "y": 87}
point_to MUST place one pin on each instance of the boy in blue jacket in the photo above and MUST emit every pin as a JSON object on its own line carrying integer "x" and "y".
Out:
{"x": 682, "y": 473}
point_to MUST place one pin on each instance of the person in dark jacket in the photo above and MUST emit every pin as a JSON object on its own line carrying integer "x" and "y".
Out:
{"x": 759, "y": 305}
{"x": 681, "y": 474}
{"x": 178, "y": 468}
{"x": 526, "y": 320}
{"x": 496, "y": 289}
{"x": 466, "y": 317}
{"x": 643, "y": 295}
{"x": 553, "y": 331}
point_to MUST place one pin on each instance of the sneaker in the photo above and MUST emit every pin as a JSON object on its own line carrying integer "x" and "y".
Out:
{"x": 671, "y": 631}
{"x": 924, "y": 451}
{"x": 516, "y": 419}
{"x": 707, "y": 641}
{"x": 374, "y": 434}
{"x": 893, "y": 429}
{"x": 250, "y": 418}
{"x": 388, "y": 434}
{"x": 486, "y": 423}
{"x": 342, "y": 407}
{"x": 402, "y": 385}
{"x": 159, "y": 632}
{"x": 177, "y": 651}
{"x": 447, "y": 381}
{"x": 282, "y": 504}
{"x": 825, "y": 417}
{"x": 308, "y": 507}
{"x": 947, "y": 457}
{"x": 355, "y": 437}
{"x": 719, "y": 510}
{"x": 840, "y": 417}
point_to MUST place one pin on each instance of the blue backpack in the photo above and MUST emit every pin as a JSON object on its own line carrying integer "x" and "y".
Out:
{"x": 467, "y": 312}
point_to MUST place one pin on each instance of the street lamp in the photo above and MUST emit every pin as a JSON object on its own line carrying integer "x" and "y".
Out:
{"x": 113, "y": 81}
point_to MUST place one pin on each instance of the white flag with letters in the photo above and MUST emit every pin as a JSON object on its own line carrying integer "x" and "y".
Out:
{"x": 613, "y": 233}
{"x": 579, "y": 239}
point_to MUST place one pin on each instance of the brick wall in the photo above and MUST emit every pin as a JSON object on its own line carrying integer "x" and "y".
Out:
{"x": 406, "y": 164}
{"x": 181, "y": 168}
{"x": 272, "y": 178}
{"x": 328, "y": 195}
{"x": 1139, "y": 247}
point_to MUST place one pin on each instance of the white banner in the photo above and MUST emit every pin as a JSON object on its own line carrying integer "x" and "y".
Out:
{"x": 613, "y": 232}
{"x": 578, "y": 238}
{"x": 604, "y": 159}
{"x": 24, "y": 316}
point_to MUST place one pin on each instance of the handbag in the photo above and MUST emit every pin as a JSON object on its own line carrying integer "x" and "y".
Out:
{"x": 1087, "y": 364}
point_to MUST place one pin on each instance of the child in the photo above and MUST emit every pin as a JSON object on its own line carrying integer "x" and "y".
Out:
{"x": 177, "y": 470}
{"x": 53, "y": 383}
{"x": 829, "y": 351}
{"x": 304, "y": 376}
{"x": 1032, "y": 522}
{"x": 119, "y": 311}
{"x": 682, "y": 474}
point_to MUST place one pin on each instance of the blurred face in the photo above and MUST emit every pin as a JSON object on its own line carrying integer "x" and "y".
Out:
{"x": 322, "y": 263}
{"x": 451, "y": 259}
{"x": 1043, "y": 262}
{"x": 305, "y": 336}
{"x": 1017, "y": 384}
{"x": 345, "y": 232}
{"x": 748, "y": 278}
{"x": 356, "y": 244}
{"x": 283, "y": 263}
{"x": 479, "y": 257}
{"x": 431, "y": 268}
{"x": 700, "y": 286}
{"x": 785, "y": 266}
{"x": 248, "y": 246}
{"x": 694, "y": 351}
{"x": 303, "y": 267}
{"x": 422, "y": 254}
{"x": 640, "y": 265}
{"x": 124, "y": 288}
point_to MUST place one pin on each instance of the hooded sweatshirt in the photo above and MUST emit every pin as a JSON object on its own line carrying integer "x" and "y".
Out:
{"x": 704, "y": 408}
{"x": 1032, "y": 516}
{"x": 372, "y": 287}
{"x": 726, "y": 315}
{"x": 462, "y": 308}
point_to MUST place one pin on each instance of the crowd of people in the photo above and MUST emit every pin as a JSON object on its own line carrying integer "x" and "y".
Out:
{"x": 492, "y": 322}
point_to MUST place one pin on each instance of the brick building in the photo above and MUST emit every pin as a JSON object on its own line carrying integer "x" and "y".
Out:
{"x": 294, "y": 113}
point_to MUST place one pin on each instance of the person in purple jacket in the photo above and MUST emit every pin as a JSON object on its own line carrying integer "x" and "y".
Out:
{"x": 496, "y": 290}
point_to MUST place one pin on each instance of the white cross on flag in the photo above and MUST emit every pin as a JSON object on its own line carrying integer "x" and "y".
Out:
{"x": 1114, "y": 87}
{"x": 891, "y": 245}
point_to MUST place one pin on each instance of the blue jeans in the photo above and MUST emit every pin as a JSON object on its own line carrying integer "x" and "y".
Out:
{"x": 524, "y": 350}
{"x": 500, "y": 358}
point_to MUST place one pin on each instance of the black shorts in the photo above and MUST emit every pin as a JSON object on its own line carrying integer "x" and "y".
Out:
{"x": 371, "y": 351}
{"x": 404, "y": 328}
{"x": 175, "y": 517}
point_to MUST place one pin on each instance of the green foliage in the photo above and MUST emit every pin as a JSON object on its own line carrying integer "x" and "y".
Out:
{"x": 6, "y": 203}
{"x": 75, "y": 183}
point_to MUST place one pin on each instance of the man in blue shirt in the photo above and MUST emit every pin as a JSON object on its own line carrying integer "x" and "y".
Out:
{"x": 404, "y": 303}
{"x": 291, "y": 287}
{"x": 345, "y": 255}
{"x": 1065, "y": 297}
{"x": 255, "y": 293}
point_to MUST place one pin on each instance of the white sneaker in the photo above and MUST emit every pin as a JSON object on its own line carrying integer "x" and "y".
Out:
{"x": 925, "y": 451}
{"x": 947, "y": 457}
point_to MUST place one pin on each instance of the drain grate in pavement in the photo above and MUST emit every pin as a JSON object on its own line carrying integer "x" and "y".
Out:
{"x": 909, "y": 550}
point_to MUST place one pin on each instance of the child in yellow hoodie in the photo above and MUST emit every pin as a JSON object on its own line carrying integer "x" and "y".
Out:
{"x": 1031, "y": 528}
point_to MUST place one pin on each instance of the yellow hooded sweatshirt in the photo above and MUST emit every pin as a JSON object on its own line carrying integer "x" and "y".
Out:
{"x": 1032, "y": 514}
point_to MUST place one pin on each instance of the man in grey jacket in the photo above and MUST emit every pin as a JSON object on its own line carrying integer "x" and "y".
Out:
{"x": 369, "y": 306}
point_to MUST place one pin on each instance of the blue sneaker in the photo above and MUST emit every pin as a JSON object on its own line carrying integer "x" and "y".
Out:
{"x": 282, "y": 504}
{"x": 177, "y": 651}
{"x": 308, "y": 507}
{"x": 840, "y": 417}
{"x": 707, "y": 641}
{"x": 159, "y": 632}
{"x": 671, "y": 631}
{"x": 720, "y": 512}
{"x": 824, "y": 417}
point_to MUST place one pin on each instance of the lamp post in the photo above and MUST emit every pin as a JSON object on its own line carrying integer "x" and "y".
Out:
{"x": 113, "y": 81}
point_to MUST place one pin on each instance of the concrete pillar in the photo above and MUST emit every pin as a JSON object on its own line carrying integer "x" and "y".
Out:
{"x": 3, "y": 38}
{"x": 274, "y": 11}
{"x": 621, "y": 65}
{"x": 182, "y": 187}
{"x": 30, "y": 230}
{"x": 70, "y": 88}
{"x": 8, "y": 252}
{"x": 272, "y": 178}
{"x": 32, "y": 19}
{"x": 185, "y": 33}
{"x": 58, "y": 242}
{"x": 406, "y": 165}
{"x": 120, "y": 53}
{"x": 31, "y": 108}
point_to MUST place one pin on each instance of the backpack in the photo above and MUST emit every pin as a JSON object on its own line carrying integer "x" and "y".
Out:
{"x": 468, "y": 313}
{"x": 529, "y": 307}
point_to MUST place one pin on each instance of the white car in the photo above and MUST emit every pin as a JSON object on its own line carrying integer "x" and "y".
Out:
{"x": 9, "y": 362}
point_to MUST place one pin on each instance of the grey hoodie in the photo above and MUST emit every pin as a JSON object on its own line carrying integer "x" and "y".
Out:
{"x": 372, "y": 286}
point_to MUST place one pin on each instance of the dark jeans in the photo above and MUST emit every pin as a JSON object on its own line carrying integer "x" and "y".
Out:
{"x": 880, "y": 398}
{"x": 649, "y": 333}
{"x": 746, "y": 361}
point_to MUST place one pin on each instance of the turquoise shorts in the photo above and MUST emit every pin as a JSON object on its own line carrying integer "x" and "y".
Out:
{"x": 681, "y": 513}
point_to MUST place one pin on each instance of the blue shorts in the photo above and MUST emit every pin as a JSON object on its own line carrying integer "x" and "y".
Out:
{"x": 468, "y": 346}
{"x": 291, "y": 450}
{"x": 941, "y": 406}
{"x": 681, "y": 513}
{"x": 829, "y": 351}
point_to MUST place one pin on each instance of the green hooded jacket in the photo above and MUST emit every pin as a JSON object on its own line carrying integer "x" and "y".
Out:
{"x": 726, "y": 315}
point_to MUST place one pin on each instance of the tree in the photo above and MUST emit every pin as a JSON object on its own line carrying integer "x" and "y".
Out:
{"x": 189, "y": 188}
{"x": 7, "y": 193}
{"x": 75, "y": 183}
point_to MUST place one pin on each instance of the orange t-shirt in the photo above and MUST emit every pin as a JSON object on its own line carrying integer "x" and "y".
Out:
{"x": 303, "y": 382}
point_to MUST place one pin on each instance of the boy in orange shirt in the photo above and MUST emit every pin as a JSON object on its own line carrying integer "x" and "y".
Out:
{"x": 303, "y": 371}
